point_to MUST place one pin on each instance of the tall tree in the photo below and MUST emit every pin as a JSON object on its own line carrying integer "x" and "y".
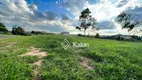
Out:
{"x": 86, "y": 21}
{"x": 3, "y": 29}
{"x": 125, "y": 20}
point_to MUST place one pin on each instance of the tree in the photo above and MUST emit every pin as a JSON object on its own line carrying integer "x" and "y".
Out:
{"x": 97, "y": 35}
{"x": 3, "y": 29}
{"x": 33, "y": 32}
{"x": 125, "y": 20}
{"x": 86, "y": 21}
{"x": 17, "y": 30}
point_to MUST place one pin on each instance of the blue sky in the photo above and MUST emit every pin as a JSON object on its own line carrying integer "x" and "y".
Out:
{"x": 49, "y": 5}
{"x": 62, "y": 15}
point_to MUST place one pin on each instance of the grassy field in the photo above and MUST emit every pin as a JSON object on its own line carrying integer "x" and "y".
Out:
{"x": 102, "y": 60}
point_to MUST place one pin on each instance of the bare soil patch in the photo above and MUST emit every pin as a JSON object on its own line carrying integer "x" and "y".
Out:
{"x": 38, "y": 63}
{"x": 35, "y": 52}
{"x": 85, "y": 63}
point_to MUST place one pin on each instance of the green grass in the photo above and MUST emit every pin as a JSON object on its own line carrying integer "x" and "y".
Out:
{"x": 111, "y": 60}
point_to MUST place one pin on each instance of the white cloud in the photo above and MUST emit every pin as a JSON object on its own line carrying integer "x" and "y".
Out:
{"x": 106, "y": 11}
{"x": 74, "y": 6}
{"x": 27, "y": 15}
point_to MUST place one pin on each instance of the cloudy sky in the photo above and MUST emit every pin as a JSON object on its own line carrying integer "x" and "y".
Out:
{"x": 62, "y": 15}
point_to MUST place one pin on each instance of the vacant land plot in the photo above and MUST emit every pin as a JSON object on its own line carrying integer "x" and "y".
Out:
{"x": 42, "y": 57}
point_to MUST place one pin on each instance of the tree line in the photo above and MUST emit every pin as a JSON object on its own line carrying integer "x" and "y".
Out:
{"x": 18, "y": 30}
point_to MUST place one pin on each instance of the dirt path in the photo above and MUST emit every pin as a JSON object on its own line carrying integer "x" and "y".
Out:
{"x": 36, "y": 52}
